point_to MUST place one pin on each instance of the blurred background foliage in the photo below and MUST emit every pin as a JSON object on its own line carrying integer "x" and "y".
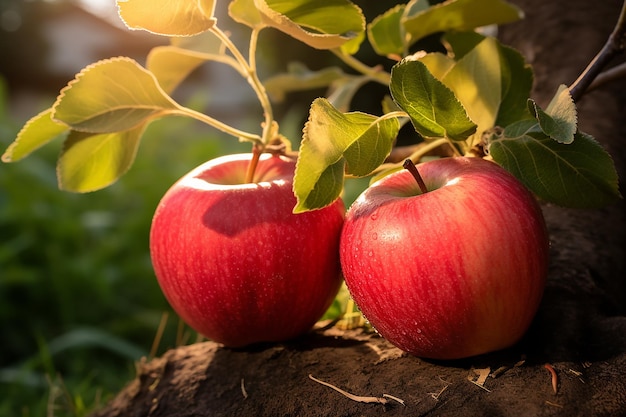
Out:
{"x": 79, "y": 303}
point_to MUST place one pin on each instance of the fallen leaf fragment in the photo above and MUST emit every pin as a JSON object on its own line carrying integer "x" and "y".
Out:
{"x": 479, "y": 376}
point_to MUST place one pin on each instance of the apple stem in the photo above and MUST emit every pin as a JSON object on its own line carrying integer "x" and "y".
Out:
{"x": 410, "y": 166}
{"x": 254, "y": 161}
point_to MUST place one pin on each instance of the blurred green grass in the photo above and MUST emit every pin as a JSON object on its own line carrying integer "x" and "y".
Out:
{"x": 79, "y": 302}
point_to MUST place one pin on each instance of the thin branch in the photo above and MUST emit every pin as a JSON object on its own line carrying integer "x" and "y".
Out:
{"x": 376, "y": 73}
{"x": 612, "y": 74}
{"x": 615, "y": 45}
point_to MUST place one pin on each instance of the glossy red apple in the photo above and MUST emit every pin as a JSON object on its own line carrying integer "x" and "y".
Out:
{"x": 234, "y": 261}
{"x": 451, "y": 273}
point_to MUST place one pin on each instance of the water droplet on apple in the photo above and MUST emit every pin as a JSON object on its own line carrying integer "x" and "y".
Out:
{"x": 370, "y": 253}
{"x": 374, "y": 216}
{"x": 374, "y": 236}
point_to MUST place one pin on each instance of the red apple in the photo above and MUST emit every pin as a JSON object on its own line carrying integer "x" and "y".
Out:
{"x": 234, "y": 261}
{"x": 451, "y": 273}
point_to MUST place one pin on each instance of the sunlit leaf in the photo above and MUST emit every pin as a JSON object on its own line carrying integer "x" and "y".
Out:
{"x": 386, "y": 34}
{"x": 246, "y": 13}
{"x": 90, "y": 162}
{"x": 111, "y": 95}
{"x": 299, "y": 78}
{"x": 206, "y": 42}
{"x": 460, "y": 15}
{"x": 37, "y": 132}
{"x": 168, "y": 17}
{"x": 313, "y": 22}
{"x": 460, "y": 43}
{"x": 437, "y": 63}
{"x": 434, "y": 110}
{"x": 476, "y": 81}
{"x": 580, "y": 174}
{"x": 333, "y": 143}
{"x": 173, "y": 63}
{"x": 415, "y": 7}
{"x": 352, "y": 45}
{"x": 491, "y": 80}
{"x": 559, "y": 119}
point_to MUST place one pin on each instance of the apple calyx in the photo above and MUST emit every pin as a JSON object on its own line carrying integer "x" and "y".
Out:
{"x": 410, "y": 166}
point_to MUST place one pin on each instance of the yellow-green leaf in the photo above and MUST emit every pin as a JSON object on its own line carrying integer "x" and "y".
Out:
{"x": 459, "y": 15}
{"x": 437, "y": 63}
{"x": 334, "y": 142}
{"x": 559, "y": 120}
{"x": 168, "y": 17}
{"x": 433, "y": 108}
{"x": 173, "y": 63}
{"x": 37, "y": 132}
{"x": 322, "y": 25}
{"x": 246, "y": 13}
{"x": 90, "y": 162}
{"x": 476, "y": 82}
{"x": 386, "y": 34}
{"x": 298, "y": 77}
{"x": 110, "y": 96}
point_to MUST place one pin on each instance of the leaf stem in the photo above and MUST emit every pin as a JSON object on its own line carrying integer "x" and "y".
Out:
{"x": 251, "y": 76}
{"x": 615, "y": 44}
{"x": 410, "y": 166}
{"x": 185, "y": 111}
{"x": 376, "y": 73}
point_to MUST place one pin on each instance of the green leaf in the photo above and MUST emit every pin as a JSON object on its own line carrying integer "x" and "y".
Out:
{"x": 492, "y": 81}
{"x": 246, "y": 13}
{"x": 168, "y": 17}
{"x": 434, "y": 110}
{"x": 580, "y": 174}
{"x": 171, "y": 65}
{"x": 313, "y": 22}
{"x": 334, "y": 142}
{"x": 37, "y": 132}
{"x": 415, "y": 7}
{"x": 559, "y": 119}
{"x": 111, "y": 95}
{"x": 476, "y": 82}
{"x": 516, "y": 84}
{"x": 458, "y": 44}
{"x": 299, "y": 78}
{"x": 90, "y": 162}
{"x": 386, "y": 34}
{"x": 437, "y": 63}
{"x": 460, "y": 15}
{"x": 206, "y": 43}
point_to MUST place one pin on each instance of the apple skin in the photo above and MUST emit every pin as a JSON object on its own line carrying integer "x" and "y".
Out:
{"x": 456, "y": 272}
{"x": 234, "y": 261}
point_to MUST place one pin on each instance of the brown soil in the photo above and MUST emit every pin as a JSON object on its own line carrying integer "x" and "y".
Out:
{"x": 580, "y": 329}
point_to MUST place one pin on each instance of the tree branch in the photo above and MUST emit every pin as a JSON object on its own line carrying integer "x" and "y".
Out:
{"x": 615, "y": 45}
